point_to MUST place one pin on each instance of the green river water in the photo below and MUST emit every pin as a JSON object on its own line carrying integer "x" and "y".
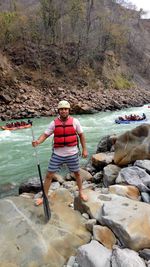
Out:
{"x": 17, "y": 156}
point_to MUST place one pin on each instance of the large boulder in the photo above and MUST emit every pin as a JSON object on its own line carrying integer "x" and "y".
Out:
{"x": 27, "y": 241}
{"x": 93, "y": 255}
{"x": 134, "y": 176}
{"x": 128, "y": 219}
{"x": 133, "y": 145}
{"x": 126, "y": 258}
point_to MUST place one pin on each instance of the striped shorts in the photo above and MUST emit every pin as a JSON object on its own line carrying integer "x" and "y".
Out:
{"x": 56, "y": 161}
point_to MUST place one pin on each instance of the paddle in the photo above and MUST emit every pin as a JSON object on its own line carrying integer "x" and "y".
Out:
{"x": 47, "y": 211}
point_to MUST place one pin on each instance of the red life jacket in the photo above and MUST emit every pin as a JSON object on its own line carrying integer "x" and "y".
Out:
{"x": 64, "y": 133}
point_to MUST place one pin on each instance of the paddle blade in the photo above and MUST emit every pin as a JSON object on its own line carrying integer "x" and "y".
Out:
{"x": 46, "y": 207}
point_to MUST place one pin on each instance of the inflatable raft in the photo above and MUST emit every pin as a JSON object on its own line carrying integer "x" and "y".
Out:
{"x": 130, "y": 121}
{"x": 16, "y": 128}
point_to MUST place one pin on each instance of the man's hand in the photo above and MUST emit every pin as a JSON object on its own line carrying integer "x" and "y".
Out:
{"x": 40, "y": 140}
{"x": 35, "y": 143}
{"x": 84, "y": 153}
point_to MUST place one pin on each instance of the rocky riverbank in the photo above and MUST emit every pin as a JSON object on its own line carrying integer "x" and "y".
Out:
{"x": 27, "y": 93}
{"x": 28, "y": 102}
{"x": 110, "y": 229}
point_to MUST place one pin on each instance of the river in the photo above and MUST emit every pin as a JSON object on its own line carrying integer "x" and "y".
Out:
{"x": 17, "y": 156}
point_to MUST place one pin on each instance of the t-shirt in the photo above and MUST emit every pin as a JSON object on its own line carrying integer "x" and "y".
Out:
{"x": 66, "y": 150}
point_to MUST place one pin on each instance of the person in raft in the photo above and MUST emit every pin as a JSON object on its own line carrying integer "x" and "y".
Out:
{"x": 65, "y": 148}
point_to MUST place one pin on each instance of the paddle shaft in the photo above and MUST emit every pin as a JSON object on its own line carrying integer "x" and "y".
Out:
{"x": 46, "y": 206}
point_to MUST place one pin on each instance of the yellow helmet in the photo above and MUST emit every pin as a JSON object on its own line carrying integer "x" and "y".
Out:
{"x": 63, "y": 104}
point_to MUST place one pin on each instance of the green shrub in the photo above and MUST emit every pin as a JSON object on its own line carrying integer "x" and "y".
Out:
{"x": 121, "y": 82}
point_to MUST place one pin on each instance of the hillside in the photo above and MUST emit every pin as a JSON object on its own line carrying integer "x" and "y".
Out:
{"x": 26, "y": 4}
{"x": 96, "y": 71}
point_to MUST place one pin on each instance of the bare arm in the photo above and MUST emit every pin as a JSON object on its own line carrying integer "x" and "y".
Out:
{"x": 40, "y": 140}
{"x": 83, "y": 144}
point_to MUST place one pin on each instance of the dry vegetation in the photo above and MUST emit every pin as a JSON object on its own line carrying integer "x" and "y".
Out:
{"x": 88, "y": 43}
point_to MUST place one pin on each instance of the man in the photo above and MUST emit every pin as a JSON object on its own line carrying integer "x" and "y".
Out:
{"x": 65, "y": 129}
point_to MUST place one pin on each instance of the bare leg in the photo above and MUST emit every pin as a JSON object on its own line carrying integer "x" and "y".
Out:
{"x": 47, "y": 183}
{"x": 79, "y": 184}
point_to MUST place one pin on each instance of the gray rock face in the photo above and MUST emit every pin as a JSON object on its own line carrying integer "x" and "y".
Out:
{"x": 27, "y": 241}
{"x": 93, "y": 255}
{"x": 145, "y": 197}
{"x": 145, "y": 254}
{"x": 126, "y": 258}
{"x": 128, "y": 219}
{"x": 105, "y": 144}
{"x": 135, "y": 176}
{"x": 144, "y": 164}
{"x": 97, "y": 178}
{"x": 110, "y": 174}
{"x": 33, "y": 185}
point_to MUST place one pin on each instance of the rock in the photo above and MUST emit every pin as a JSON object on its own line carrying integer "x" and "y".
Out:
{"x": 55, "y": 186}
{"x": 89, "y": 225}
{"x": 91, "y": 207}
{"x": 69, "y": 184}
{"x": 144, "y": 164}
{"x": 100, "y": 160}
{"x": 135, "y": 176}
{"x": 76, "y": 265}
{"x": 105, "y": 144}
{"x": 8, "y": 189}
{"x": 28, "y": 241}
{"x": 145, "y": 254}
{"x": 110, "y": 174}
{"x": 62, "y": 196}
{"x": 93, "y": 255}
{"x": 5, "y": 98}
{"x": 125, "y": 190}
{"x": 126, "y": 258}
{"x": 82, "y": 108}
{"x": 85, "y": 215}
{"x": 97, "y": 178}
{"x": 125, "y": 217}
{"x": 145, "y": 197}
{"x": 33, "y": 185}
{"x": 88, "y": 185}
{"x": 71, "y": 261}
{"x": 104, "y": 235}
{"x": 57, "y": 177}
{"x": 133, "y": 145}
{"x": 85, "y": 175}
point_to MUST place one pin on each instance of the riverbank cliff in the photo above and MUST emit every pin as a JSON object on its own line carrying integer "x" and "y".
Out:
{"x": 26, "y": 94}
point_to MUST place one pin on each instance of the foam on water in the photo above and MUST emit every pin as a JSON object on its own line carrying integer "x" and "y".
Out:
{"x": 4, "y": 134}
